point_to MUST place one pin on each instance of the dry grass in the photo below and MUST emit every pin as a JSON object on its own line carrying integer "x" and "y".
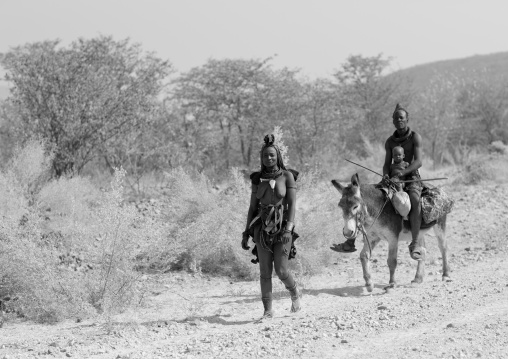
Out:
{"x": 68, "y": 248}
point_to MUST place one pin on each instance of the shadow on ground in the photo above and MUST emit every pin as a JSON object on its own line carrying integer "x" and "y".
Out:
{"x": 214, "y": 319}
{"x": 353, "y": 291}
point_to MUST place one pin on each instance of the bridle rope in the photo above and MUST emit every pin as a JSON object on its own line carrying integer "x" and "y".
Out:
{"x": 361, "y": 228}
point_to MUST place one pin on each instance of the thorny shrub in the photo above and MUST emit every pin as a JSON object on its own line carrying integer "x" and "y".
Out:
{"x": 27, "y": 274}
{"x": 208, "y": 223}
{"x": 484, "y": 167}
{"x": 66, "y": 248}
{"x": 498, "y": 147}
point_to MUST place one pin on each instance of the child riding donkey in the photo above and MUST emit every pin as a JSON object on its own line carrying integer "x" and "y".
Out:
{"x": 409, "y": 143}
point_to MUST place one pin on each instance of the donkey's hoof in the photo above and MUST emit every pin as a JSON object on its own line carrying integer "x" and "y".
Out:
{"x": 370, "y": 287}
{"x": 417, "y": 281}
{"x": 389, "y": 290}
{"x": 390, "y": 286}
{"x": 446, "y": 279}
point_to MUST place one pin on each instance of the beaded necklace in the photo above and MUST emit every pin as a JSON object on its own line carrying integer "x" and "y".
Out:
{"x": 271, "y": 176}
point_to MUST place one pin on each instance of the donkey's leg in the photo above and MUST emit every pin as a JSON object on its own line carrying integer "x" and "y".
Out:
{"x": 365, "y": 259}
{"x": 393, "y": 246}
{"x": 440, "y": 231}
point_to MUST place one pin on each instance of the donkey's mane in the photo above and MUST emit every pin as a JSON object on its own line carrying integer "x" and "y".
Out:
{"x": 373, "y": 197}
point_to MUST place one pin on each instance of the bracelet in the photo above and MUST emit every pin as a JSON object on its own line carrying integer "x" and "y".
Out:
{"x": 289, "y": 226}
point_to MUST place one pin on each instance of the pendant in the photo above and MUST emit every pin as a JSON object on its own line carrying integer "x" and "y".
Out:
{"x": 272, "y": 183}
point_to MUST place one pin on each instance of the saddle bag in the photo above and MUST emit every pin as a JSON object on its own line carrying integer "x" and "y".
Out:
{"x": 435, "y": 203}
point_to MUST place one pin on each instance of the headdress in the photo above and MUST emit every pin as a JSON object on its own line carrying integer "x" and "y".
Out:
{"x": 275, "y": 140}
{"x": 399, "y": 108}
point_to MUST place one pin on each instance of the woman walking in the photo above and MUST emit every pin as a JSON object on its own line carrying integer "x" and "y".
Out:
{"x": 270, "y": 221}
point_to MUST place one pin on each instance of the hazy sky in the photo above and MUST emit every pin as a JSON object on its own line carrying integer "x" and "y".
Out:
{"x": 315, "y": 36}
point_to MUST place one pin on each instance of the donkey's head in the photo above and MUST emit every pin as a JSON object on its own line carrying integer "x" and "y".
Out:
{"x": 353, "y": 207}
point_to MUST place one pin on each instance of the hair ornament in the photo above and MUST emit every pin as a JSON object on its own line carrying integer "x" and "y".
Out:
{"x": 269, "y": 140}
{"x": 275, "y": 139}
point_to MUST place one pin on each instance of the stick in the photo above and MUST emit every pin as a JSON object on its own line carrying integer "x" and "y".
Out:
{"x": 364, "y": 167}
{"x": 408, "y": 181}
{"x": 392, "y": 183}
{"x": 423, "y": 180}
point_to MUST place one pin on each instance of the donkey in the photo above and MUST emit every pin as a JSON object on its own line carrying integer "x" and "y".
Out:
{"x": 365, "y": 208}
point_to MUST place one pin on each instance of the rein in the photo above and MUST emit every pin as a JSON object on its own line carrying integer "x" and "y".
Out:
{"x": 364, "y": 232}
{"x": 360, "y": 227}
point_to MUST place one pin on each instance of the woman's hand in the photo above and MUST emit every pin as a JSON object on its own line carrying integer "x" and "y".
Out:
{"x": 245, "y": 241}
{"x": 287, "y": 236}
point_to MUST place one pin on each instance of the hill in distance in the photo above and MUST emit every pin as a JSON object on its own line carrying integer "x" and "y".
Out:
{"x": 496, "y": 64}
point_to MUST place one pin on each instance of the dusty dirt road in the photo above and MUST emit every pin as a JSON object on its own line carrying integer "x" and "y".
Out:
{"x": 194, "y": 316}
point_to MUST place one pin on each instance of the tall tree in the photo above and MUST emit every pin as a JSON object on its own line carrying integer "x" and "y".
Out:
{"x": 232, "y": 102}
{"x": 83, "y": 96}
{"x": 483, "y": 102}
{"x": 436, "y": 112}
{"x": 369, "y": 95}
{"x": 316, "y": 127}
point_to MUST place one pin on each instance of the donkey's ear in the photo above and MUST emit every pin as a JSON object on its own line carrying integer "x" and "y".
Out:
{"x": 340, "y": 187}
{"x": 355, "y": 180}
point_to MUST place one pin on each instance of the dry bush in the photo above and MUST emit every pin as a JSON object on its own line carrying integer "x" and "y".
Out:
{"x": 334, "y": 165}
{"x": 29, "y": 275}
{"x": 482, "y": 167}
{"x": 111, "y": 243}
{"x": 66, "y": 248}
{"x": 106, "y": 235}
{"x": 317, "y": 222}
{"x": 461, "y": 155}
{"x": 22, "y": 177}
{"x": 374, "y": 160}
{"x": 208, "y": 224}
{"x": 498, "y": 147}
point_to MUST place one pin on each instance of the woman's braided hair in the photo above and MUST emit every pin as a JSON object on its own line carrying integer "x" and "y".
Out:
{"x": 269, "y": 141}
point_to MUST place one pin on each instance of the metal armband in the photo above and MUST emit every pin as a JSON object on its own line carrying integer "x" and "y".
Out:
{"x": 289, "y": 226}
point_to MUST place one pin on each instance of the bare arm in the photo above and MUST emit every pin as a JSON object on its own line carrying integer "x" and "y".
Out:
{"x": 417, "y": 160}
{"x": 290, "y": 195}
{"x": 253, "y": 206}
{"x": 388, "y": 160}
{"x": 291, "y": 201}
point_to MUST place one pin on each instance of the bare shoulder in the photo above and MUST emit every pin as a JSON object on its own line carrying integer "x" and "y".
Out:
{"x": 417, "y": 138}
{"x": 290, "y": 179}
{"x": 289, "y": 176}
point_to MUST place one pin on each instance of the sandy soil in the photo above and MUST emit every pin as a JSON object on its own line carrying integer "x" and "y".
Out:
{"x": 191, "y": 316}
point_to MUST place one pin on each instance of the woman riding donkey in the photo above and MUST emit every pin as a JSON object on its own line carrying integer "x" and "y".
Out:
{"x": 411, "y": 143}
{"x": 270, "y": 221}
